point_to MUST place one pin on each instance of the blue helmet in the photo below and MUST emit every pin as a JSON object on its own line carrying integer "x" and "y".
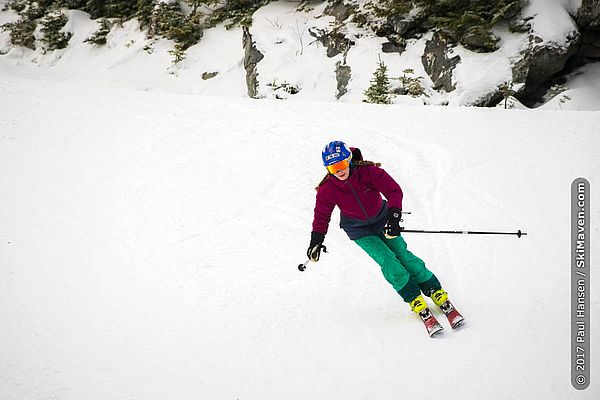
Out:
{"x": 335, "y": 152}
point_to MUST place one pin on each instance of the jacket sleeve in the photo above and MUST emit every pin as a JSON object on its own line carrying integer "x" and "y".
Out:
{"x": 323, "y": 208}
{"x": 387, "y": 186}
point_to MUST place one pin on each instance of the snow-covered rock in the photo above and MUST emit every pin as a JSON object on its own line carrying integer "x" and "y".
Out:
{"x": 319, "y": 50}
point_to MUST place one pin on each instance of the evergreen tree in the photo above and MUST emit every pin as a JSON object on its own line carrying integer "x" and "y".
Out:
{"x": 52, "y": 24}
{"x": 145, "y": 8}
{"x": 33, "y": 11}
{"x": 507, "y": 91}
{"x": 411, "y": 85}
{"x": 99, "y": 38}
{"x": 124, "y": 9}
{"x": 169, "y": 21}
{"x": 95, "y": 8}
{"x": 21, "y": 32}
{"x": 195, "y": 4}
{"x": 75, "y": 4}
{"x": 379, "y": 91}
{"x": 17, "y": 5}
{"x": 237, "y": 12}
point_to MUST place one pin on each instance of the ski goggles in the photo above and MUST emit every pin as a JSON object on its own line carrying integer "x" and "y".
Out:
{"x": 338, "y": 166}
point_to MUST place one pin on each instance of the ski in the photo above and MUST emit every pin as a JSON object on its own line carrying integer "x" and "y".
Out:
{"x": 454, "y": 317}
{"x": 431, "y": 323}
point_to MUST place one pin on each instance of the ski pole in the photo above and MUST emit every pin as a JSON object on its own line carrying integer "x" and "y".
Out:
{"x": 517, "y": 233}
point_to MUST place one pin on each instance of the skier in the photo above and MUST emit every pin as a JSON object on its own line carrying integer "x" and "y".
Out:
{"x": 356, "y": 186}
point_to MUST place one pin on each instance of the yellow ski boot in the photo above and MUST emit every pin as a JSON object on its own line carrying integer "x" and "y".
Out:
{"x": 439, "y": 297}
{"x": 418, "y": 304}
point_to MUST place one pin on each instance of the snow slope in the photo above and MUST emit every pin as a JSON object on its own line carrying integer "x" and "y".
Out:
{"x": 149, "y": 244}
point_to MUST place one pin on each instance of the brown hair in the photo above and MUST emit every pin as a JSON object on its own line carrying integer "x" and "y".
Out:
{"x": 357, "y": 164}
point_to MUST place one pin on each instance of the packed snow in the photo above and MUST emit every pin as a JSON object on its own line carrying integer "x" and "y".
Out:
{"x": 150, "y": 242}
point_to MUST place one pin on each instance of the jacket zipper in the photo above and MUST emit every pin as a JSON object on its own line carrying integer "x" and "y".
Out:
{"x": 360, "y": 204}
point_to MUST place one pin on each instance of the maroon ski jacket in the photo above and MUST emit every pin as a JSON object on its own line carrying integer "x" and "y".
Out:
{"x": 363, "y": 210}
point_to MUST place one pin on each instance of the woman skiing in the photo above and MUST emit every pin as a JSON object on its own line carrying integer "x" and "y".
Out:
{"x": 356, "y": 186}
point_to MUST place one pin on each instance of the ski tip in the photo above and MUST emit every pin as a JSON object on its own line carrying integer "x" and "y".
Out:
{"x": 457, "y": 325}
{"x": 436, "y": 333}
{"x": 435, "y": 330}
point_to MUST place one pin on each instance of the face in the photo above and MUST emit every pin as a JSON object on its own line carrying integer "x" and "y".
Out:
{"x": 340, "y": 170}
{"x": 342, "y": 174}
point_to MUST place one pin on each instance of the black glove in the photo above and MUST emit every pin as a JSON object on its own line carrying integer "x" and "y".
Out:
{"x": 316, "y": 243}
{"x": 392, "y": 226}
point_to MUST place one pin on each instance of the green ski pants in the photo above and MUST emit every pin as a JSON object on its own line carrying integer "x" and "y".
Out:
{"x": 402, "y": 269}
